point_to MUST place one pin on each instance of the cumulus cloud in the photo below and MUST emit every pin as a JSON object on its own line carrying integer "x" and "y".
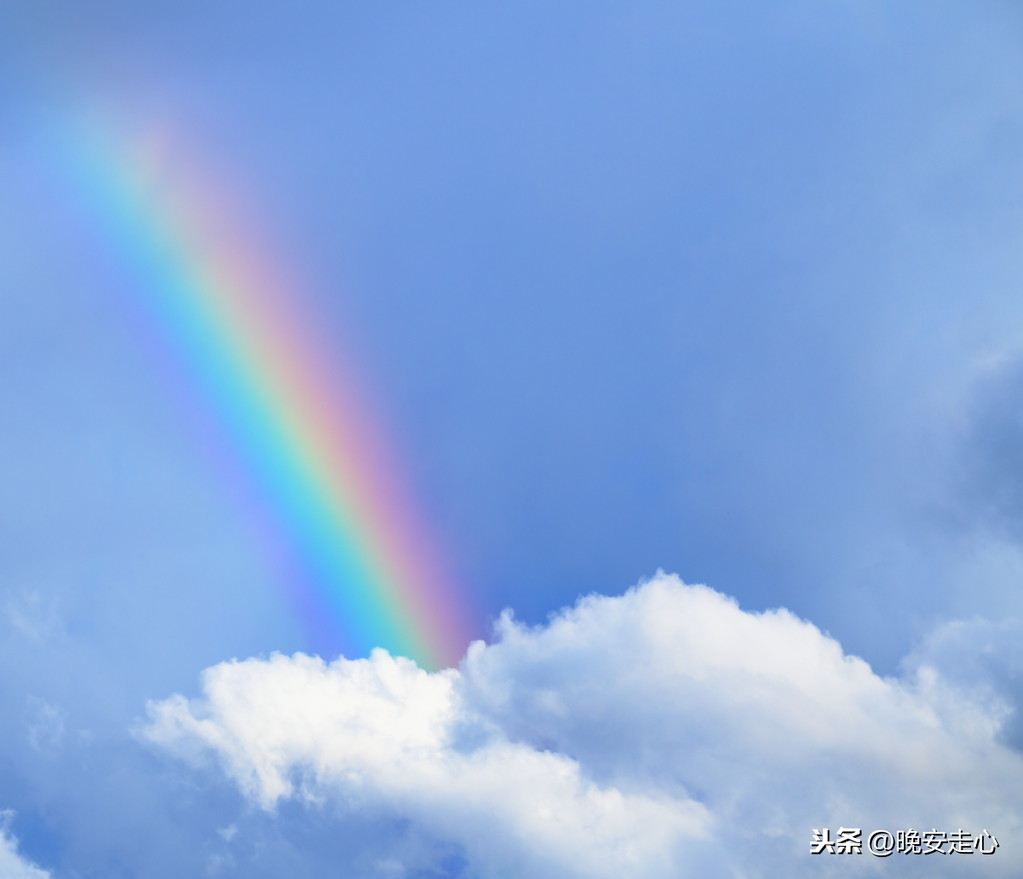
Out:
{"x": 662, "y": 733}
{"x": 12, "y": 864}
{"x": 385, "y": 735}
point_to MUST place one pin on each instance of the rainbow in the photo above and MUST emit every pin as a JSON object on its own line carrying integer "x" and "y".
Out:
{"x": 289, "y": 410}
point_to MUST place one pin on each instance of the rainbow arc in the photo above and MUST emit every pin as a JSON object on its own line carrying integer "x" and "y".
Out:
{"x": 288, "y": 407}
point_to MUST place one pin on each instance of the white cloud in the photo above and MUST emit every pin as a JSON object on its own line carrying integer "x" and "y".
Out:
{"x": 13, "y": 865}
{"x": 984, "y": 657}
{"x": 663, "y": 733}
{"x": 383, "y": 734}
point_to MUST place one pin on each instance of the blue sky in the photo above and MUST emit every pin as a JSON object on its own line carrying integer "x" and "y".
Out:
{"x": 724, "y": 289}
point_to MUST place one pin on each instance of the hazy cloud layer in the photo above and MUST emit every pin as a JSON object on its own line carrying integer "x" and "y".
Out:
{"x": 663, "y": 733}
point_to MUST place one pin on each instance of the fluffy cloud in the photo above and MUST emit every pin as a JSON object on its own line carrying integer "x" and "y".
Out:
{"x": 662, "y": 733}
{"x": 385, "y": 735}
{"x": 13, "y": 865}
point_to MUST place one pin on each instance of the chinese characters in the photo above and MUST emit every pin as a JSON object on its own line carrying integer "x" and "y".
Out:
{"x": 884, "y": 843}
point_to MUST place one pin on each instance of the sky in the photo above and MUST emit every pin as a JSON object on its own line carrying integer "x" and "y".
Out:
{"x": 688, "y": 345}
